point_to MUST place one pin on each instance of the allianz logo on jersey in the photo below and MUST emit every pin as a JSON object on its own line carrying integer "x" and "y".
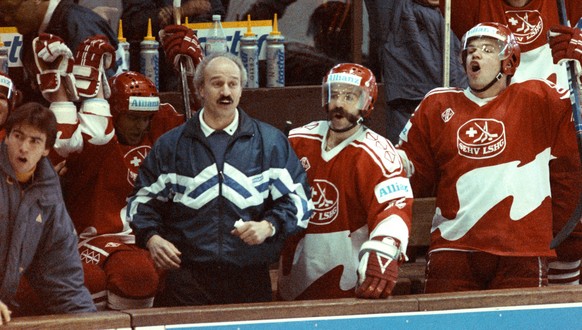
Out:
{"x": 481, "y": 138}
{"x": 143, "y": 103}
{"x": 397, "y": 187}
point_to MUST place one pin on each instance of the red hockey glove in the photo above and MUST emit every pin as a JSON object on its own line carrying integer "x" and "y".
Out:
{"x": 93, "y": 57}
{"x": 54, "y": 62}
{"x": 179, "y": 41}
{"x": 378, "y": 270}
{"x": 566, "y": 44}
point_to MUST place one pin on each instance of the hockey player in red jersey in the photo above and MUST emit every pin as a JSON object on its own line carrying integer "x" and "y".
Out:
{"x": 101, "y": 175}
{"x": 103, "y": 144}
{"x": 358, "y": 233}
{"x": 529, "y": 21}
{"x": 503, "y": 162}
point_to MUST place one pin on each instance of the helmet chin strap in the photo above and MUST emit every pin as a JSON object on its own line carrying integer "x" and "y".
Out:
{"x": 493, "y": 81}
{"x": 354, "y": 124}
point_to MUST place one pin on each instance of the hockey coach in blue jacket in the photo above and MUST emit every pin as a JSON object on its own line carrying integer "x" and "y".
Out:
{"x": 216, "y": 197}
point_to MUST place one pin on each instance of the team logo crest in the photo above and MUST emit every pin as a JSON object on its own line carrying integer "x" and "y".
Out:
{"x": 481, "y": 138}
{"x": 133, "y": 160}
{"x": 526, "y": 25}
{"x": 325, "y": 198}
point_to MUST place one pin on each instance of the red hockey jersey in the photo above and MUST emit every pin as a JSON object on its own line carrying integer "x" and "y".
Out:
{"x": 529, "y": 24}
{"x": 358, "y": 187}
{"x": 505, "y": 169}
{"x": 101, "y": 171}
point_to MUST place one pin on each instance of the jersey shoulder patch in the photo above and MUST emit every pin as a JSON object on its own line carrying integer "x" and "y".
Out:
{"x": 311, "y": 129}
{"x": 381, "y": 151}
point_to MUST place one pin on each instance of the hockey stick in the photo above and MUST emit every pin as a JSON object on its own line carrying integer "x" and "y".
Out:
{"x": 447, "y": 45}
{"x": 183, "y": 76}
{"x": 575, "y": 99}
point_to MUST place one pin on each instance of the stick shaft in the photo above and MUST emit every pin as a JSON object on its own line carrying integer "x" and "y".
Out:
{"x": 183, "y": 76}
{"x": 447, "y": 45}
{"x": 575, "y": 100}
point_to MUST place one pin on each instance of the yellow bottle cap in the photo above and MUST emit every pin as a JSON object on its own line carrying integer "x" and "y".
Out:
{"x": 275, "y": 27}
{"x": 249, "y": 32}
{"x": 120, "y": 37}
{"x": 149, "y": 36}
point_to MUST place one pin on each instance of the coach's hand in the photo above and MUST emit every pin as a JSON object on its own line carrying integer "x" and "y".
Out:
{"x": 254, "y": 232}
{"x": 164, "y": 253}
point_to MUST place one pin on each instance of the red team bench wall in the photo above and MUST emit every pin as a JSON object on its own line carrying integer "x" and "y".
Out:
{"x": 528, "y": 308}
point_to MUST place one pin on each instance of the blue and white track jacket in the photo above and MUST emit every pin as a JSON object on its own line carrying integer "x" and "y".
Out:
{"x": 181, "y": 195}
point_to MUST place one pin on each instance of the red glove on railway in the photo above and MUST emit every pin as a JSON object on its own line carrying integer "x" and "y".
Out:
{"x": 54, "y": 62}
{"x": 94, "y": 55}
{"x": 378, "y": 270}
{"x": 566, "y": 44}
{"x": 179, "y": 41}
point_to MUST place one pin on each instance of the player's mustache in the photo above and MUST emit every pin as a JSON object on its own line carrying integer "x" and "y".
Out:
{"x": 341, "y": 111}
{"x": 225, "y": 98}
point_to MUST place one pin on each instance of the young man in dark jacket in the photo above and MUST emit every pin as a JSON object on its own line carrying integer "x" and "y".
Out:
{"x": 37, "y": 238}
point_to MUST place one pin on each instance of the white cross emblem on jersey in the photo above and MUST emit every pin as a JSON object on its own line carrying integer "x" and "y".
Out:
{"x": 513, "y": 21}
{"x": 471, "y": 132}
{"x": 135, "y": 161}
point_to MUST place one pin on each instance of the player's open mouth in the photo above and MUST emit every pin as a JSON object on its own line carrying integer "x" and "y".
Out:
{"x": 475, "y": 67}
{"x": 22, "y": 159}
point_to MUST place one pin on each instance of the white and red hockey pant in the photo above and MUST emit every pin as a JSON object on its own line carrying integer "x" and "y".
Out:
{"x": 118, "y": 275}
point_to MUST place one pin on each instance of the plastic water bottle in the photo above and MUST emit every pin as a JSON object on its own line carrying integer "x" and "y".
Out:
{"x": 216, "y": 39}
{"x": 3, "y": 58}
{"x": 149, "y": 57}
{"x": 249, "y": 55}
{"x": 275, "y": 57}
{"x": 124, "y": 46}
